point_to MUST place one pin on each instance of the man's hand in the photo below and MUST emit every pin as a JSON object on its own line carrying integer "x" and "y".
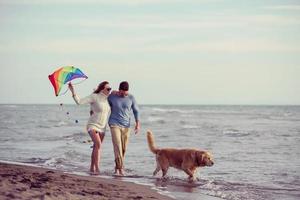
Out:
{"x": 137, "y": 127}
{"x": 115, "y": 92}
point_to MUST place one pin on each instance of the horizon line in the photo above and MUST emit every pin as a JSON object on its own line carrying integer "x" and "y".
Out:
{"x": 163, "y": 104}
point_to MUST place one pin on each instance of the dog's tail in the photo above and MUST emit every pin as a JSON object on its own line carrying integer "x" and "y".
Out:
{"x": 151, "y": 143}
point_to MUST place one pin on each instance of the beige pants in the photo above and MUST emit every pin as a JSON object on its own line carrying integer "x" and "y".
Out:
{"x": 120, "y": 137}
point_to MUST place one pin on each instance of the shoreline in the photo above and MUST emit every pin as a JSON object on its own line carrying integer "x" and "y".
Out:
{"x": 18, "y": 181}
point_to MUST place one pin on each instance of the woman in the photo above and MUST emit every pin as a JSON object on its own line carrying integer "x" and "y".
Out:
{"x": 100, "y": 111}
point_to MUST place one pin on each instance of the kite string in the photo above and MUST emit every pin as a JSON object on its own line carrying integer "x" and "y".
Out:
{"x": 68, "y": 88}
{"x": 79, "y": 82}
{"x": 62, "y": 93}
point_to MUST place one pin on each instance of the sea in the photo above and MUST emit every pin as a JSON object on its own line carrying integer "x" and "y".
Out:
{"x": 256, "y": 149}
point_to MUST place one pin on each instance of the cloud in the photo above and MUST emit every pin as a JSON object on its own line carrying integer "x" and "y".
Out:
{"x": 228, "y": 46}
{"x": 159, "y": 22}
{"x": 118, "y": 45}
{"x": 152, "y": 33}
{"x": 284, "y": 7}
{"x": 151, "y": 23}
{"x": 100, "y": 2}
{"x": 271, "y": 20}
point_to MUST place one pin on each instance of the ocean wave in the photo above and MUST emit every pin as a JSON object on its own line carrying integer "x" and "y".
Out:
{"x": 78, "y": 137}
{"x": 60, "y": 163}
{"x": 35, "y": 160}
{"x": 74, "y": 155}
{"x": 9, "y": 121}
{"x": 10, "y": 106}
{"x": 240, "y": 191}
{"x": 155, "y": 120}
{"x": 189, "y": 126}
{"x": 53, "y": 123}
{"x": 236, "y": 133}
{"x": 61, "y": 123}
{"x": 172, "y": 110}
{"x": 44, "y": 126}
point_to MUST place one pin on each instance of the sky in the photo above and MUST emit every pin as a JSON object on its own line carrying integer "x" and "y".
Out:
{"x": 170, "y": 51}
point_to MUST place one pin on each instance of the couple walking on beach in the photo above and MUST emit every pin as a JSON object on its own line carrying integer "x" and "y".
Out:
{"x": 112, "y": 108}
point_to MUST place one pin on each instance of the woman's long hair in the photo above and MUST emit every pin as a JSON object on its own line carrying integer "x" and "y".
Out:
{"x": 101, "y": 86}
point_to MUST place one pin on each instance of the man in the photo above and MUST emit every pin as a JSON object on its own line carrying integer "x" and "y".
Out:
{"x": 122, "y": 104}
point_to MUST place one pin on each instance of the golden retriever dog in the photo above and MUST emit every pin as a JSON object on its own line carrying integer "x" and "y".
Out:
{"x": 187, "y": 160}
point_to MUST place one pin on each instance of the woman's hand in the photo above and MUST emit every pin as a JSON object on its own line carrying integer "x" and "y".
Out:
{"x": 71, "y": 88}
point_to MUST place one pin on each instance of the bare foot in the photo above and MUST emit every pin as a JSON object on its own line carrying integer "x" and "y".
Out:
{"x": 191, "y": 179}
{"x": 116, "y": 172}
{"x": 121, "y": 172}
{"x": 94, "y": 173}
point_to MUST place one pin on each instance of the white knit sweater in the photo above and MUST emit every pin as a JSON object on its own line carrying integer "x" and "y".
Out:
{"x": 101, "y": 110}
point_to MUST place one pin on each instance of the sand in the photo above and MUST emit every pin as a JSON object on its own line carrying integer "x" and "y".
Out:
{"x": 28, "y": 182}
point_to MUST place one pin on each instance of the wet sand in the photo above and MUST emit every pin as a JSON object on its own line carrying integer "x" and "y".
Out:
{"x": 27, "y": 182}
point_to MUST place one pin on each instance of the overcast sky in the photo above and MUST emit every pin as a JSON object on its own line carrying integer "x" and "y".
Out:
{"x": 170, "y": 51}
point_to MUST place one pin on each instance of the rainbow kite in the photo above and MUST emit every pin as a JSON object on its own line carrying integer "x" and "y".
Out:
{"x": 63, "y": 76}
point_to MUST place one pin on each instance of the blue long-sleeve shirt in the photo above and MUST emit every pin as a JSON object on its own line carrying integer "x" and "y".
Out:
{"x": 121, "y": 108}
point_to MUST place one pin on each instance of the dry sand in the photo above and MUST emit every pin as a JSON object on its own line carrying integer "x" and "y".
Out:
{"x": 27, "y": 182}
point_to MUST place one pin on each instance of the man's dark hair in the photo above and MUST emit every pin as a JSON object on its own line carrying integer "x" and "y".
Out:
{"x": 124, "y": 86}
